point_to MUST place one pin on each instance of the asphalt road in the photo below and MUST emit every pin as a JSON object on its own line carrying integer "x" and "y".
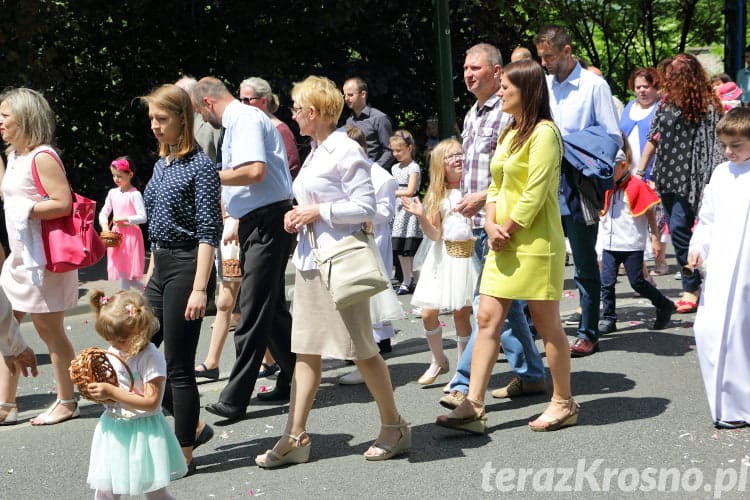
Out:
{"x": 644, "y": 431}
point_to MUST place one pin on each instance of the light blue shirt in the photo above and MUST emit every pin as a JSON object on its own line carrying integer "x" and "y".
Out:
{"x": 743, "y": 80}
{"x": 250, "y": 136}
{"x": 582, "y": 100}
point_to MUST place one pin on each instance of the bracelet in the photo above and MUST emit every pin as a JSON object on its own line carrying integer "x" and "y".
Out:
{"x": 199, "y": 289}
{"x": 640, "y": 173}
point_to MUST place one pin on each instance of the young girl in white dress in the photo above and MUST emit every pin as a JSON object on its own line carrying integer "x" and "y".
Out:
{"x": 134, "y": 450}
{"x": 445, "y": 282}
{"x": 125, "y": 203}
{"x": 406, "y": 234}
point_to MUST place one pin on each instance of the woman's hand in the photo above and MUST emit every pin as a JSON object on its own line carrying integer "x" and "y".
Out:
{"x": 413, "y": 205}
{"x": 300, "y": 216}
{"x": 196, "y": 306}
{"x": 497, "y": 237}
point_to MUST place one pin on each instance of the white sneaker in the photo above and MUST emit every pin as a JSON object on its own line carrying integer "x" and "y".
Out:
{"x": 352, "y": 378}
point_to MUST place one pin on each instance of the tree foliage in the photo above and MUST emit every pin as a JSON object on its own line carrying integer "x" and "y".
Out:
{"x": 93, "y": 59}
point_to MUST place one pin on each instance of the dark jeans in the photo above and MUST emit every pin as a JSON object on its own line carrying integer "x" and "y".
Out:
{"x": 680, "y": 220}
{"x": 633, "y": 262}
{"x": 167, "y": 293}
{"x": 265, "y": 320}
{"x": 582, "y": 240}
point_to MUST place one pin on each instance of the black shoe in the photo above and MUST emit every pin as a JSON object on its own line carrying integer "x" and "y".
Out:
{"x": 212, "y": 374}
{"x": 723, "y": 424}
{"x": 385, "y": 346}
{"x": 278, "y": 393}
{"x": 191, "y": 468}
{"x": 663, "y": 316}
{"x": 607, "y": 326}
{"x": 268, "y": 370}
{"x": 573, "y": 320}
{"x": 204, "y": 437}
{"x": 224, "y": 410}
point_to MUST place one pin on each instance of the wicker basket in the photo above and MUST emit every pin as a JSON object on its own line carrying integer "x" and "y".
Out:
{"x": 231, "y": 270}
{"x": 462, "y": 249}
{"x": 92, "y": 365}
{"x": 110, "y": 238}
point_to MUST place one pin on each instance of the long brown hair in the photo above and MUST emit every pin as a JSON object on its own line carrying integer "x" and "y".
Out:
{"x": 688, "y": 88}
{"x": 175, "y": 100}
{"x": 528, "y": 76}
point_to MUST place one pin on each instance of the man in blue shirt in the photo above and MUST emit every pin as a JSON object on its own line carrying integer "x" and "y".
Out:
{"x": 257, "y": 191}
{"x": 743, "y": 79}
{"x": 578, "y": 99}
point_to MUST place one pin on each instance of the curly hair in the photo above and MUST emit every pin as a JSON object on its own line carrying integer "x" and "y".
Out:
{"x": 124, "y": 316}
{"x": 651, "y": 75}
{"x": 688, "y": 88}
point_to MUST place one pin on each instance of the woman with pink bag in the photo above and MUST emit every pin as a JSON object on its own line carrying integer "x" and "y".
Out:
{"x": 27, "y": 125}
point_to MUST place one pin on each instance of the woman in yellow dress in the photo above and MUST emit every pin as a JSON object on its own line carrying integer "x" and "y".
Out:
{"x": 527, "y": 249}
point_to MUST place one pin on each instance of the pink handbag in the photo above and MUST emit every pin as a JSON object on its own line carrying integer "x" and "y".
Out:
{"x": 71, "y": 241}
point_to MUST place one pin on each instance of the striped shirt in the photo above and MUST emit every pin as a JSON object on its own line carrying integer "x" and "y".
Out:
{"x": 482, "y": 128}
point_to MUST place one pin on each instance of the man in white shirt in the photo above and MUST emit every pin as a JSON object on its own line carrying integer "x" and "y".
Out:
{"x": 578, "y": 99}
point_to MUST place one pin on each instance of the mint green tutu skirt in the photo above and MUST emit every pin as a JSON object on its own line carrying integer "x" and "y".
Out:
{"x": 134, "y": 456}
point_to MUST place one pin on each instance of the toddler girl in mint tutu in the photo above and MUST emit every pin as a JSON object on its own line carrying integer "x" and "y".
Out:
{"x": 134, "y": 450}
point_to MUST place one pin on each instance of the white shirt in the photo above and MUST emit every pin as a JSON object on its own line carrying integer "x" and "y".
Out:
{"x": 619, "y": 231}
{"x": 336, "y": 175}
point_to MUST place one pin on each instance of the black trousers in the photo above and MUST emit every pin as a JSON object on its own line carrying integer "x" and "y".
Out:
{"x": 265, "y": 320}
{"x": 167, "y": 293}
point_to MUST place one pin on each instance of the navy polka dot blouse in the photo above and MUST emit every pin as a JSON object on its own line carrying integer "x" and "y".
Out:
{"x": 182, "y": 200}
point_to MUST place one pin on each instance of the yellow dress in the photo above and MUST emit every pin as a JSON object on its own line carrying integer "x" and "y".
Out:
{"x": 524, "y": 188}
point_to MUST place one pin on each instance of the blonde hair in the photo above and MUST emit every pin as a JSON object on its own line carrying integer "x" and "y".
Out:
{"x": 176, "y": 101}
{"x": 438, "y": 187}
{"x": 404, "y": 139}
{"x": 33, "y": 115}
{"x": 124, "y": 316}
{"x": 322, "y": 94}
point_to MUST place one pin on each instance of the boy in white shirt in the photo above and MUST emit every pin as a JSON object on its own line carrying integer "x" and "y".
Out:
{"x": 625, "y": 220}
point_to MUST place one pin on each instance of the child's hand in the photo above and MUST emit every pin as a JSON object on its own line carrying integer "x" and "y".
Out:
{"x": 656, "y": 245}
{"x": 101, "y": 391}
{"x": 413, "y": 205}
{"x": 694, "y": 260}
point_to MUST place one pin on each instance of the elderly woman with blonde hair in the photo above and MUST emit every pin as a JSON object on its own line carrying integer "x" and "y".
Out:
{"x": 336, "y": 197}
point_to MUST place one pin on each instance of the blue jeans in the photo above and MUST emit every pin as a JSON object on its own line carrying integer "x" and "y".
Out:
{"x": 680, "y": 220}
{"x": 583, "y": 242}
{"x": 516, "y": 339}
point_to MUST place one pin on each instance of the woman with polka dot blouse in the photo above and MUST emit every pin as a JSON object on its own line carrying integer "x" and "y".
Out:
{"x": 182, "y": 205}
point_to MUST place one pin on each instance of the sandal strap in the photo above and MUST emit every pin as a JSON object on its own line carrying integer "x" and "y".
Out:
{"x": 8, "y": 405}
{"x": 297, "y": 439}
{"x": 475, "y": 402}
{"x": 402, "y": 423}
{"x": 66, "y": 401}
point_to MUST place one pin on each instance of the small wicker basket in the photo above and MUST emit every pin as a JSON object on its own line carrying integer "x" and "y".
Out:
{"x": 93, "y": 365}
{"x": 110, "y": 238}
{"x": 462, "y": 249}
{"x": 231, "y": 270}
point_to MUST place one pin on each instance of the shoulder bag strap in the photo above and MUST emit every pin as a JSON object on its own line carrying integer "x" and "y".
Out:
{"x": 35, "y": 172}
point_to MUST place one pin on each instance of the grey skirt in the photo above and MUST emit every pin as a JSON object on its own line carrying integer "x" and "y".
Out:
{"x": 319, "y": 328}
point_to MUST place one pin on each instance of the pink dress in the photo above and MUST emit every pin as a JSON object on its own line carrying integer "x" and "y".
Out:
{"x": 57, "y": 291}
{"x": 126, "y": 260}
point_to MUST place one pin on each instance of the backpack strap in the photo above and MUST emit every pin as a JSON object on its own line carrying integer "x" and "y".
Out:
{"x": 35, "y": 172}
